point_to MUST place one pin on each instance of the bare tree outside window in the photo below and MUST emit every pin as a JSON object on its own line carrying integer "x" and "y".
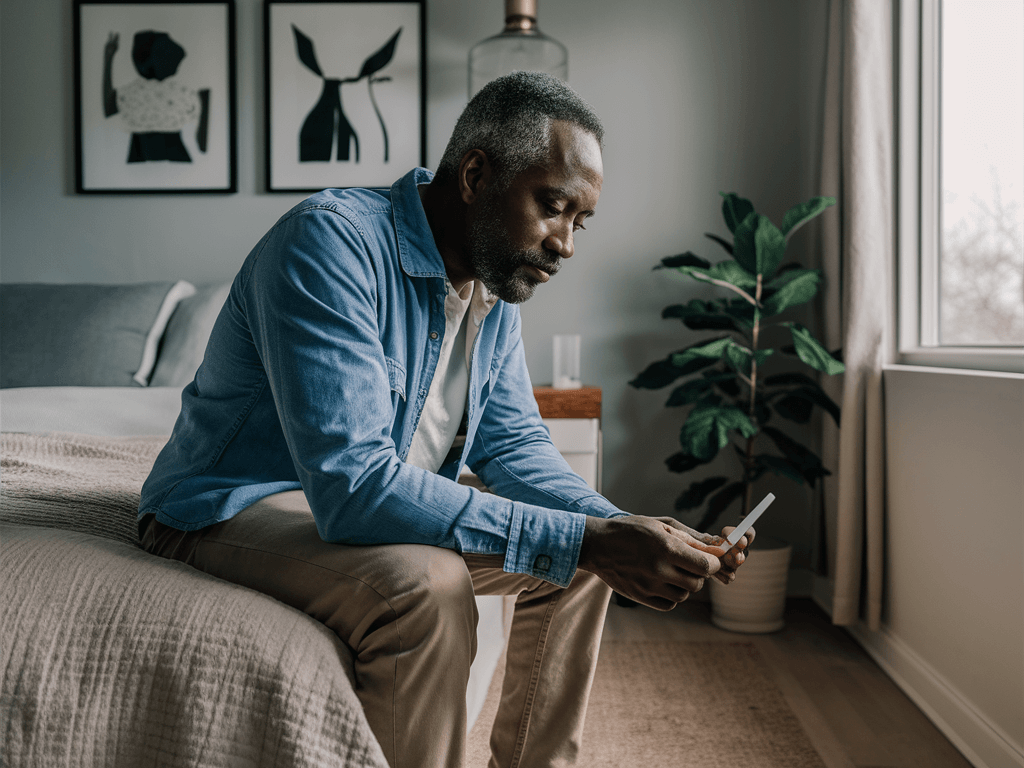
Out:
{"x": 982, "y": 260}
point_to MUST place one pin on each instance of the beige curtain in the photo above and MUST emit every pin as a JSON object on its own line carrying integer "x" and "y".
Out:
{"x": 858, "y": 254}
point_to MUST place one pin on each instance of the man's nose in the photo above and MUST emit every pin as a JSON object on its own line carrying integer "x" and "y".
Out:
{"x": 561, "y": 242}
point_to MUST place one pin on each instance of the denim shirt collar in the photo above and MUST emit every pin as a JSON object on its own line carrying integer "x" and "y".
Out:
{"x": 417, "y": 251}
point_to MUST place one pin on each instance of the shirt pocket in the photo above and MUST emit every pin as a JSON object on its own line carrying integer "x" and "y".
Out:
{"x": 396, "y": 376}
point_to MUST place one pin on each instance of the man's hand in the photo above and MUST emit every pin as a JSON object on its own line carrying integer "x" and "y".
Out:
{"x": 716, "y": 545}
{"x": 646, "y": 559}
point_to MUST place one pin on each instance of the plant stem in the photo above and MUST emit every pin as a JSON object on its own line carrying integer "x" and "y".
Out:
{"x": 729, "y": 286}
{"x": 748, "y": 471}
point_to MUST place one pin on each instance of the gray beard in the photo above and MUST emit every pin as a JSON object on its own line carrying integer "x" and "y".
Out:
{"x": 499, "y": 266}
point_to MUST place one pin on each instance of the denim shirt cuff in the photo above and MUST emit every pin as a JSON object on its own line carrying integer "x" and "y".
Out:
{"x": 597, "y": 506}
{"x": 544, "y": 543}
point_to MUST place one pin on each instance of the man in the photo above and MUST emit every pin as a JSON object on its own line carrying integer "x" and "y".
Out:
{"x": 369, "y": 349}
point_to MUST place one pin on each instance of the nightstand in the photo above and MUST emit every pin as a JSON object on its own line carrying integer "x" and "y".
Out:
{"x": 574, "y": 418}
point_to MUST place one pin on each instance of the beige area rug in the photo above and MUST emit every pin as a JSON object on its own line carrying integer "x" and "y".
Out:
{"x": 679, "y": 705}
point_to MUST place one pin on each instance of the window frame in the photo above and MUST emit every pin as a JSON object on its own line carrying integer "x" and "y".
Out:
{"x": 918, "y": 111}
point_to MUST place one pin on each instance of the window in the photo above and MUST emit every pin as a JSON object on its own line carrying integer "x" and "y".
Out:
{"x": 961, "y": 194}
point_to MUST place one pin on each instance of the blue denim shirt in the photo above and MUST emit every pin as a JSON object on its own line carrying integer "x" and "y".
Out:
{"x": 315, "y": 377}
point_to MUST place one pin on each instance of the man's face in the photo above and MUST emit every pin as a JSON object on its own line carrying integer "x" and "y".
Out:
{"x": 517, "y": 238}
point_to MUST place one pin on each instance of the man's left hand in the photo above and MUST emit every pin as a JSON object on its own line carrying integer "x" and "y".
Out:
{"x": 715, "y": 545}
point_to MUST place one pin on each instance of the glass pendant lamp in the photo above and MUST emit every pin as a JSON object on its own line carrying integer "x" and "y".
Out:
{"x": 519, "y": 46}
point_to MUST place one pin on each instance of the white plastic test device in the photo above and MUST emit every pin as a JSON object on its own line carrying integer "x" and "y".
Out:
{"x": 749, "y": 521}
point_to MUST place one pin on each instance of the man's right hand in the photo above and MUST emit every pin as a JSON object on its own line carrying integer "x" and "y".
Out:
{"x": 645, "y": 560}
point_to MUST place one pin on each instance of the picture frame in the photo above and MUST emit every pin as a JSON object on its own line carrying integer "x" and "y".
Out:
{"x": 345, "y": 95}
{"x": 155, "y": 97}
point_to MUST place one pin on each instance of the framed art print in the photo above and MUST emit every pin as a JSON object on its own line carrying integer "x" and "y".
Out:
{"x": 345, "y": 93}
{"x": 155, "y": 96}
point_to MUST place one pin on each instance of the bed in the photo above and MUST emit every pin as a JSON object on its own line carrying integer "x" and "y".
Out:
{"x": 110, "y": 656}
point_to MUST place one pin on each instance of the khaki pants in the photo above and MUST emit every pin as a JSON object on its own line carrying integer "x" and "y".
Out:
{"x": 407, "y": 613}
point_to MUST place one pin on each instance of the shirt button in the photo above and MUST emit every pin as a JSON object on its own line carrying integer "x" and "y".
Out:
{"x": 433, "y": 334}
{"x": 542, "y": 563}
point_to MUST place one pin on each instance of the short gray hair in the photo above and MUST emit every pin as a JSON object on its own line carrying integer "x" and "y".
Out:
{"x": 510, "y": 121}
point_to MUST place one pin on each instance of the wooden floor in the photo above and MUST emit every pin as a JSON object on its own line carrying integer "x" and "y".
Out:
{"x": 855, "y": 716}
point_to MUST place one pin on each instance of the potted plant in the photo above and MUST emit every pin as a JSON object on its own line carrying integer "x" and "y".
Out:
{"x": 732, "y": 395}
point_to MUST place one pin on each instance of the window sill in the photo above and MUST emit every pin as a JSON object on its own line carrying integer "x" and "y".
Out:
{"x": 980, "y": 360}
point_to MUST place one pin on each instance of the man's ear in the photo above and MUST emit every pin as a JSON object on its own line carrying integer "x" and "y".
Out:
{"x": 474, "y": 175}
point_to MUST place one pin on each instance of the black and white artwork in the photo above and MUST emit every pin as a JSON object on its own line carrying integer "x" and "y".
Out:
{"x": 155, "y": 97}
{"x": 345, "y": 93}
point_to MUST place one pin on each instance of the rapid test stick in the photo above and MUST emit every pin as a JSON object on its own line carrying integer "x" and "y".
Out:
{"x": 749, "y": 521}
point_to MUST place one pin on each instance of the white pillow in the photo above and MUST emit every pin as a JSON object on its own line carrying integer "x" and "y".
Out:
{"x": 187, "y": 333}
{"x": 180, "y": 290}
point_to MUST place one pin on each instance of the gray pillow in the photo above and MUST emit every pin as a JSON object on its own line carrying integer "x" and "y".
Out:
{"x": 187, "y": 333}
{"x": 83, "y": 334}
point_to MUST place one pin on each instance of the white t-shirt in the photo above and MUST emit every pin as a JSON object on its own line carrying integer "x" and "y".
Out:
{"x": 446, "y": 399}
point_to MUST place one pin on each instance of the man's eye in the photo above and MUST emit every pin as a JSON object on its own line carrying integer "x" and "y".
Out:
{"x": 552, "y": 209}
{"x": 577, "y": 226}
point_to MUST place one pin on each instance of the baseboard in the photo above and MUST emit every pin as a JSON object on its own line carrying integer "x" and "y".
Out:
{"x": 981, "y": 741}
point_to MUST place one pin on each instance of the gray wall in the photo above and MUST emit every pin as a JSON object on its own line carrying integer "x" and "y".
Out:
{"x": 698, "y": 96}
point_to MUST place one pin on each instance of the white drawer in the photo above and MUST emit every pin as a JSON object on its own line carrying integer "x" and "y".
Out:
{"x": 574, "y": 435}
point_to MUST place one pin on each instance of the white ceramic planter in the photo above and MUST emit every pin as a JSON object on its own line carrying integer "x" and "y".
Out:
{"x": 755, "y": 601}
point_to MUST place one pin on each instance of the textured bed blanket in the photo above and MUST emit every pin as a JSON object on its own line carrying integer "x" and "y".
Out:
{"x": 75, "y": 482}
{"x": 112, "y": 657}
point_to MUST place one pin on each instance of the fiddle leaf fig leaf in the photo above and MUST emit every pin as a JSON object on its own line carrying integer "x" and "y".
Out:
{"x": 789, "y": 378}
{"x": 691, "y": 392}
{"x": 771, "y": 247}
{"x": 721, "y": 241}
{"x": 711, "y": 323}
{"x": 682, "y": 462}
{"x": 664, "y": 372}
{"x": 702, "y": 316}
{"x": 800, "y": 214}
{"x": 693, "y": 307}
{"x": 706, "y": 429}
{"x": 795, "y": 408}
{"x": 729, "y": 386}
{"x": 738, "y": 357}
{"x": 741, "y": 311}
{"x": 689, "y": 360}
{"x": 779, "y": 466}
{"x": 305, "y": 51}
{"x": 803, "y": 459}
{"x": 724, "y": 380}
{"x": 816, "y": 395}
{"x": 657, "y": 375}
{"x": 735, "y": 209}
{"x": 759, "y": 245}
{"x": 744, "y": 249}
{"x": 797, "y": 287}
{"x": 381, "y": 58}
{"x": 787, "y": 274}
{"x": 687, "y": 259}
{"x": 694, "y": 496}
{"x": 719, "y": 503}
{"x": 733, "y": 273}
{"x": 812, "y": 353}
{"x": 710, "y": 351}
